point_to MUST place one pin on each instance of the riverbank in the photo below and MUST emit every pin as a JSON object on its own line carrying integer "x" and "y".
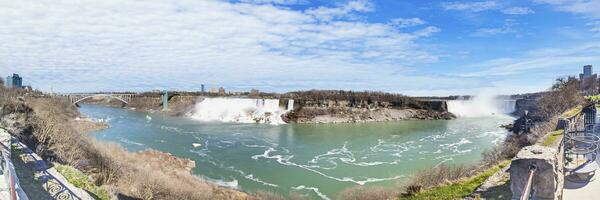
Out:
{"x": 315, "y": 106}
{"x": 49, "y": 126}
{"x": 304, "y": 159}
{"x": 357, "y": 115}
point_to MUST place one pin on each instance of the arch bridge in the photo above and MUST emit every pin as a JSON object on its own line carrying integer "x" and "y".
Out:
{"x": 80, "y": 97}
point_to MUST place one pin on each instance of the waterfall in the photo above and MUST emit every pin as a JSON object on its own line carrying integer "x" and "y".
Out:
{"x": 239, "y": 110}
{"x": 480, "y": 106}
{"x": 290, "y": 105}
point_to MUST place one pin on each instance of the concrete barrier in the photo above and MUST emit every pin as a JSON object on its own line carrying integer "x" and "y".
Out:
{"x": 548, "y": 179}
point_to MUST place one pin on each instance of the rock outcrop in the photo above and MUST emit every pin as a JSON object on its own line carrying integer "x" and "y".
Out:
{"x": 346, "y": 111}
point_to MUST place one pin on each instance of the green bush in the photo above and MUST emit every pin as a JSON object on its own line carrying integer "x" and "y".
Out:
{"x": 80, "y": 180}
{"x": 458, "y": 189}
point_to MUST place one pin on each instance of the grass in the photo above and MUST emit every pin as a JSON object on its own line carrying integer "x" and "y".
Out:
{"x": 459, "y": 189}
{"x": 593, "y": 98}
{"x": 572, "y": 112}
{"x": 80, "y": 180}
{"x": 552, "y": 137}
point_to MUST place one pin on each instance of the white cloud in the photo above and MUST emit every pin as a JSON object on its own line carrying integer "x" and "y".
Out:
{"x": 407, "y": 22}
{"x": 518, "y": 11}
{"x": 470, "y": 6}
{"x": 345, "y": 11}
{"x": 485, "y": 32}
{"x": 587, "y": 8}
{"x": 484, "y": 6}
{"x": 427, "y": 31}
{"x": 540, "y": 61}
{"x": 279, "y": 2}
{"x": 140, "y": 45}
{"x": 506, "y": 28}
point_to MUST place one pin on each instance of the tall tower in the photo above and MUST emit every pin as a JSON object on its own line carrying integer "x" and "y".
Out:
{"x": 165, "y": 100}
{"x": 202, "y": 88}
{"x": 587, "y": 71}
{"x": 9, "y": 81}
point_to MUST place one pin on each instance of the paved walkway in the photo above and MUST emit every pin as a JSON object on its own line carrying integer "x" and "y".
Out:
{"x": 35, "y": 179}
{"x": 40, "y": 181}
{"x": 589, "y": 190}
{"x": 582, "y": 191}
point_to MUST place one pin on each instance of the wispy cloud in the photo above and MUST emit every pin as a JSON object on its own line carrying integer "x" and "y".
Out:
{"x": 535, "y": 61}
{"x": 279, "y": 2}
{"x": 507, "y": 28}
{"x": 407, "y": 22}
{"x": 470, "y": 6}
{"x": 480, "y": 6}
{"x": 484, "y": 32}
{"x": 517, "y": 11}
{"x": 587, "y": 8}
{"x": 344, "y": 11}
{"x": 595, "y": 26}
{"x": 120, "y": 45}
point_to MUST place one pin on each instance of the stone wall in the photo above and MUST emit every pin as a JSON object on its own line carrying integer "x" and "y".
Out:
{"x": 548, "y": 179}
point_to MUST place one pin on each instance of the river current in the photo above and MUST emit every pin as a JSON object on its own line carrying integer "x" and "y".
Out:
{"x": 318, "y": 160}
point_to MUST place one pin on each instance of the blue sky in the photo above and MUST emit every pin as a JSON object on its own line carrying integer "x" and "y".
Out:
{"x": 413, "y": 47}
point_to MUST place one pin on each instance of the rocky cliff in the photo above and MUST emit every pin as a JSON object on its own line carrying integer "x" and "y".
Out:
{"x": 345, "y": 111}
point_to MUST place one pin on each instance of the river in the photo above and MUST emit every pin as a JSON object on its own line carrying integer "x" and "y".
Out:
{"x": 319, "y": 160}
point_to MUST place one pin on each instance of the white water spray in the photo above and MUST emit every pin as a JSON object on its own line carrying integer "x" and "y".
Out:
{"x": 240, "y": 110}
{"x": 482, "y": 104}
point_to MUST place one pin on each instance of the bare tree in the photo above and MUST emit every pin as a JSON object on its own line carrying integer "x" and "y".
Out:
{"x": 564, "y": 94}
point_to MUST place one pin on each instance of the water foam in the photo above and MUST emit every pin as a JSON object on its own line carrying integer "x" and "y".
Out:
{"x": 126, "y": 141}
{"x": 314, "y": 189}
{"x": 285, "y": 160}
{"x": 223, "y": 183}
{"x": 240, "y": 110}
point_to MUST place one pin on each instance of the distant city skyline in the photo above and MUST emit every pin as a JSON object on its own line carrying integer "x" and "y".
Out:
{"x": 411, "y": 47}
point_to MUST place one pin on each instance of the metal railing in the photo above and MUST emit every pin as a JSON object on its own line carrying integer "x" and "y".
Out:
{"x": 528, "y": 191}
{"x": 11, "y": 179}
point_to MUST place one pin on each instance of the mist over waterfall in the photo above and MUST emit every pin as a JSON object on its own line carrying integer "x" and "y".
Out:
{"x": 481, "y": 105}
{"x": 241, "y": 110}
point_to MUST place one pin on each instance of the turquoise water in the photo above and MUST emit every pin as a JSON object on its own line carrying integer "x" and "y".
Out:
{"x": 318, "y": 160}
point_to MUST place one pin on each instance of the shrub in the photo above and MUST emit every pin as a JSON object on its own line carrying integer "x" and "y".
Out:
{"x": 441, "y": 174}
{"x": 45, "y": 126}
{"x": 368, "y": 193}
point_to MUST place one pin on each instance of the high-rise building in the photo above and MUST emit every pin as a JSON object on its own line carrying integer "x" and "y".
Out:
{"x": 588, "y": 81}
{"x": 202, "y": 88}
{"x": 14, "y": 81}
{"x": 587, "y": 70}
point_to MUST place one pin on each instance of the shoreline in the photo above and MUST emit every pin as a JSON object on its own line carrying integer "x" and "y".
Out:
{"x": 181, "y": 163}
{"x": 57, "y": 131}
{"x": 316, "y": 115}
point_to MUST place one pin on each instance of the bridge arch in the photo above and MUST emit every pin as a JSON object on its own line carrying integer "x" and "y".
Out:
{"x": 100, "y": 95}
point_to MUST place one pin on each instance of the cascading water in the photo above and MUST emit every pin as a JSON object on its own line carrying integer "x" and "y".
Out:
{"x": 481, "y": 105}
{"x": 240, "y": 110}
